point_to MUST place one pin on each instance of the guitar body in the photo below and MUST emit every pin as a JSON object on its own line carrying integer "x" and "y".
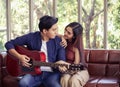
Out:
{"x": 14, "y": 66}
{"x": 38, "y": 58}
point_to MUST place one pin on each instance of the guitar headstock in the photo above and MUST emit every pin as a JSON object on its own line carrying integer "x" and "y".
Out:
{"x": 76, "y": 67}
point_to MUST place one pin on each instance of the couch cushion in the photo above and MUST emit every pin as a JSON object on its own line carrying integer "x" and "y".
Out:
{"x": 108, "y": 82}
{"x": 97, "y": 62}
{"x": 114, "y": 57}
{"x": 1, "y": 60}
{"x": 93, "y": 81}
{"x": 113, "y": 70}
{"x": 86, "y": 55}
{"x": 10, "y": 81}
{"x": 97, "y": 69}
{"x": 98, "y": 56}
{"x": 113, "y": 63}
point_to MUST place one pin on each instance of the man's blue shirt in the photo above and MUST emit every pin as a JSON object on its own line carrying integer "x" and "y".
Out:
{"x": 34, "y": 42}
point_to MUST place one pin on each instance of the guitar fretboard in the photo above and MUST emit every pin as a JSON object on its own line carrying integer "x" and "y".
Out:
{"x": 54, "y": 65}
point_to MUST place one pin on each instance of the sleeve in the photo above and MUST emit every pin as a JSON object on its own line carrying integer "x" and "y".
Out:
{"x": 61, "y": 51}
{"x": 22, "y": 40}
{"x": 61, "y": 54}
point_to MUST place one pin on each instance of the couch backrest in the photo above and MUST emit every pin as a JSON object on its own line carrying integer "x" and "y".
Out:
{"x": 103, "y": 62}
{"x": 113, "y": 67}
{"x": 1, "y": 58}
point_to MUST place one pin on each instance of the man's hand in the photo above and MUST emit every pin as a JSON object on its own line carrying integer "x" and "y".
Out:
{"x": 24, "y": 60}
{"x": 63, "y": 68}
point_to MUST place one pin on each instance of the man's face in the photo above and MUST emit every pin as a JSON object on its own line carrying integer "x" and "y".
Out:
{"x": 52, "y": 32}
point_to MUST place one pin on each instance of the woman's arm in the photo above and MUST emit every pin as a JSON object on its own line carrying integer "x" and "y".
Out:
{"x": 77, "y": 56}
{"x": 63, "y": 42}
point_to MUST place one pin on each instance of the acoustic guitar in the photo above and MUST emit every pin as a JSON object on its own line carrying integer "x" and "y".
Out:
{"x": 38, "y": 58}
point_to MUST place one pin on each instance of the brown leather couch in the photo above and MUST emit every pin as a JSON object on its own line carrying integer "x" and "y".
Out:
{"x": 103, "y": 66}
{"x": 1, "y": 70}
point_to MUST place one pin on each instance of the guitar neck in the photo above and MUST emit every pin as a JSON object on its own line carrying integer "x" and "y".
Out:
{"x": 53, "y": 65}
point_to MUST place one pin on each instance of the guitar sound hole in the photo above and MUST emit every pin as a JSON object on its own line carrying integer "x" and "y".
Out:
{"x": 31, "y": 62}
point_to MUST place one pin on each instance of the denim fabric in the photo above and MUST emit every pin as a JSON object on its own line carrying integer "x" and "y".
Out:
{"x": 49, "y": 79}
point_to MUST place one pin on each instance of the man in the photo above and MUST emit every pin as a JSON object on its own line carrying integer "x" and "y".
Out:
{"x": 44, "y": 40}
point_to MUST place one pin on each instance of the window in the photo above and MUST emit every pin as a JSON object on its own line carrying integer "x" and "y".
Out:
{"x": 101, "y": 27}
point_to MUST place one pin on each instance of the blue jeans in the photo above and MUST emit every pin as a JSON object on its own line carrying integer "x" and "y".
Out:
{"x": 49, "y": 79}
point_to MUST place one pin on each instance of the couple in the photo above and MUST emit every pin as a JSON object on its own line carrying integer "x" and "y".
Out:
{"x": 48, "y": 41}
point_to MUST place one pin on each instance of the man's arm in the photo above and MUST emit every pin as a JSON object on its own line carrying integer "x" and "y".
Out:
{"x": 62, "y": 68}
{"x": 61, "y": 57}
{"x": 23, "y": 58}
{"x": 10, "y": 46}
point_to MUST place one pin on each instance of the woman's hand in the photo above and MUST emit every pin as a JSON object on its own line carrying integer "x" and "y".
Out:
{"x": 63, "y": 42}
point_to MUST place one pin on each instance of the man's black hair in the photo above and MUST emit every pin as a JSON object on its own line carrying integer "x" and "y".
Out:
{"x": 46, "y": 22}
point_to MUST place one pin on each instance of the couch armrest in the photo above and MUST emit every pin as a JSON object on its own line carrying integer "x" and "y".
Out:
{"x": 4, "y": 70}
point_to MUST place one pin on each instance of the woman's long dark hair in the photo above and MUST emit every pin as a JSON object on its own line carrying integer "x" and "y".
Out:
{"x": 77, "y": 38}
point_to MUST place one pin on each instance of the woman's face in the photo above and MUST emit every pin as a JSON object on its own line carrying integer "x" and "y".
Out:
{"x": 68, "y": 33}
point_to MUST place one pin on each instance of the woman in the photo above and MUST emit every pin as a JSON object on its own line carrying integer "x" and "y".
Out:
{"x": 74, "y": 54}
